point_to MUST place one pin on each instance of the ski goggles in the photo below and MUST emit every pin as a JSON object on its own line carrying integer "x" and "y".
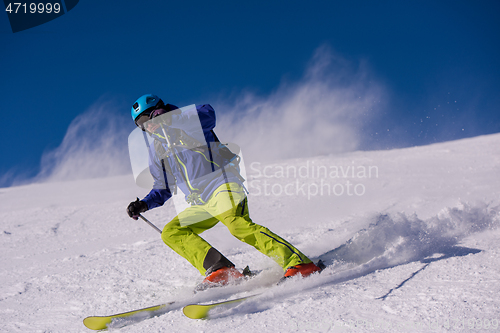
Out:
{"x": 148, "y": 115}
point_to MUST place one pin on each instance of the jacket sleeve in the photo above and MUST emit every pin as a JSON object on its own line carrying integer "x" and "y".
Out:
{"x": 157, "y": 197}
{"x": 206, "y": 113}
{"x": 191, "y": 120}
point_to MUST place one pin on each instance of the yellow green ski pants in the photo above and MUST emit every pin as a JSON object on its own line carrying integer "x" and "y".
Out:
{"x": 228, "y": 204}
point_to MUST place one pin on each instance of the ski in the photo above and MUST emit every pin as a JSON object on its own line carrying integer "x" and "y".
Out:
{"x": 132, "y": 317}
{"x": 126, "y": 318}
{"x": 201, "y": 311}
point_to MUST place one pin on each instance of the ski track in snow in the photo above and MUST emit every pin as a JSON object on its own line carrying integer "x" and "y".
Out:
{"x": 417, "y": 252}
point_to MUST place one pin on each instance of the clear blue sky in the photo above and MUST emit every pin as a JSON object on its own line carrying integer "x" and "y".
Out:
{"x": 427, "y": 53}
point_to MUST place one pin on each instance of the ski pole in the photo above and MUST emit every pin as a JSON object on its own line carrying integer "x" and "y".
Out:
{"x": 151, "y": 224}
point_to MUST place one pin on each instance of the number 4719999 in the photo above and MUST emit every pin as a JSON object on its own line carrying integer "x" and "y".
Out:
{"x": 32, "y": 8}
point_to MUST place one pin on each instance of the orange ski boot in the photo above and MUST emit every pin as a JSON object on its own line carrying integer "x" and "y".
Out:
{"x": 302, "y": 269}
{"x": 220, "y": 277}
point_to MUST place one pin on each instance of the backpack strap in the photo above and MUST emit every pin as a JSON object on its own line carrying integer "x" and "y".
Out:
{"x": 161, "y": 153}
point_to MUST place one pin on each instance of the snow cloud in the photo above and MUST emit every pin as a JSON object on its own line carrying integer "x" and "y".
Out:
{"x": 398, "y": 239}
{"x": 324, "y": 113}
{"x": 95, "y": 145}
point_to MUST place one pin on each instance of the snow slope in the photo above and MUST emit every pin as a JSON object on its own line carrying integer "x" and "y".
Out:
{"x": 412, "y": 236}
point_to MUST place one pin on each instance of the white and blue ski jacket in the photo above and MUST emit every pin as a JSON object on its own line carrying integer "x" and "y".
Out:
{"x": 196, "y": 162}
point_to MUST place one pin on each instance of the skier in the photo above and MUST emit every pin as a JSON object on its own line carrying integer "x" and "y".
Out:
{"x": 207, "y": 173}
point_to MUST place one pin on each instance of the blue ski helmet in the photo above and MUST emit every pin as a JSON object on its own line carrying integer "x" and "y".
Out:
{"x": 144, "y": 103}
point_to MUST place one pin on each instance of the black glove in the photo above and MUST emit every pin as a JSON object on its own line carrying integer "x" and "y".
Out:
{"x": 135, "y": 208}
